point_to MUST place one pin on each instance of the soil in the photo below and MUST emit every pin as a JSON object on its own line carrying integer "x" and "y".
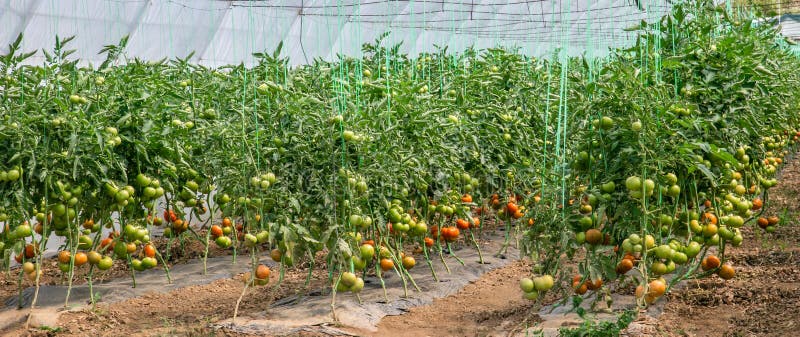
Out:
{"x": 490, "y": 306}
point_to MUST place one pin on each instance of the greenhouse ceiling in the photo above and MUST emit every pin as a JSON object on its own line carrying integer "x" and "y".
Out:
{"x": 228, "y": 32}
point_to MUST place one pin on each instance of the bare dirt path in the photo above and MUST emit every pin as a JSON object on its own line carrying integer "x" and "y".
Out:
{"x": 490, "y": 306}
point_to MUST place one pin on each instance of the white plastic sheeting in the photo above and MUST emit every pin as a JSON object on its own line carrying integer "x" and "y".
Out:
{"x": 228, "y": 32}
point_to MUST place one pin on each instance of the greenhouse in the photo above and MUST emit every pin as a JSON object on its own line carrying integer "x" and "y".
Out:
{"x": 399, "y": 168}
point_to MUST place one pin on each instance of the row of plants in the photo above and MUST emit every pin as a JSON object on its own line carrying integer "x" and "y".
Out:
{"x": 687, "y": 130}
{"x": 650, "y": 159}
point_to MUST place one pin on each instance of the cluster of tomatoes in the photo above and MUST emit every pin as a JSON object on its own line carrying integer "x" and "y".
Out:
{"x": 350, "y": 282}
{"x": 768, "y": 223}
{"x": 177, "y": 225}
{"x": 365, "y": 255}
{"x": 464, "y": 224}
{"x": 221, "y": 233}
{"x": 510, "y": 209}
{"x": 533, "y": 288}
{"x": 581, "y": 285}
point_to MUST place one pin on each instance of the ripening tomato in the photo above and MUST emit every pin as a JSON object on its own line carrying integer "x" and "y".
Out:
{"x": 262, "y": 272}
{"x": 409, "y": 262}
{"x": 216, "y": 231}
{"x": 387, "y": 264}
{"x": 81, "y": 259}
{"x": 726, "y": 272}
{"x": 512, "y": 207}
{"x": 462, "y": 224}
{"x": 64, "y": 256}
{"x": 149, "y": 250}
{"x": 276, "y": 255}
{"x": 710, "y": 262}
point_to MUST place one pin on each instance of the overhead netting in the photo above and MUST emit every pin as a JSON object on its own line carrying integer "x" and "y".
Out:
{"x": 228, "y": 32}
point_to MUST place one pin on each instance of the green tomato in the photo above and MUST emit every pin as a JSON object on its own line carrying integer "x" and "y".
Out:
{"x": 608, "y": 187}
{"x": 634, "y": 184}
{"x": 533, "y": 295}
{"x": 121, "y": 196}
{"x": 23, "y": 231}
{"x": 367, "y": 252}
{"x": 357, "y": 286}
{"x": 527, "y": 285}
{"x": 580, "y": 237}
{"x": 664, "y": 252}
{"x": 543, "y": 283}
{"x": 356, "y": 220}
{"x": 606, "y": 123}
{"x": 250, "y": 240}
{"x": 223, "y": 242}
{"x": 105, "y": 263}
{"x": 636, "y": 126}
{"x": 149, "y": 262}
{"x": 262, "y": 236}
{"x": 136, "y": 264}
{"x": 85, "y": 242}
{"x": 120, "y": 249}
{"x": 680, "y": 258}
{"x": 358, "y": 263}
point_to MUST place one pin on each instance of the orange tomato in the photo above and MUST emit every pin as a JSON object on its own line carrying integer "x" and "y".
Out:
{"x": 594, "y": 285}
{"x": 387, "y": 264}
{"x": 656, "y": 288}
{"x": 762, "y": 222}
{"x": 262, "y": 272}
{"x": 476, "y": 222}
{"x": 106, "y": 243}
{"x": 81, "y": 258}
{"x": 757, "y": 204}
{"x": 710, "y": 262}
{"x": 624, "y": 266}
{"x": 64, "y": 256}
{"x": 710, "y": 217}
{"x": 149, "y": 250}
{"x": 726, "y": 272}
{"x": 31, "y": 251}
{"x": 170, "y": 216}
{"x": 512, "y": 207}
